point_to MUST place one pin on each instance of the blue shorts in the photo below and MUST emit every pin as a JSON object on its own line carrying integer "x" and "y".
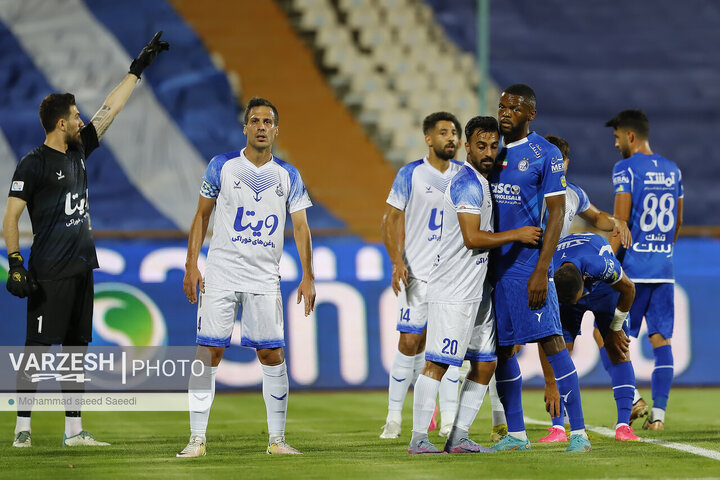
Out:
{"x": 602, "y": 302}
{"x": 655, "y": 302}
{"x": 516, "y": 322}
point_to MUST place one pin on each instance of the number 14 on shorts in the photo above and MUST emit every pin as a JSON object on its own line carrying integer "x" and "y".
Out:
{"x": 405, "y": 314}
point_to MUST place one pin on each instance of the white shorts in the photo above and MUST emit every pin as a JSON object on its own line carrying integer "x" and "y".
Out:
{"x": 261, "y": 319}
{"x": 412, "y": 307}
{"x": 464, "y": 331}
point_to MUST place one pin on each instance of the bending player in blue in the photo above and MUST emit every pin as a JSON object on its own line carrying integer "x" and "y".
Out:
{"x": 588, "y": 277}
{"x": 529, "y": 189}
{"x": 578, "y": 203}
{"x": 649, "y": 196}
{"x": 461, "y": 324}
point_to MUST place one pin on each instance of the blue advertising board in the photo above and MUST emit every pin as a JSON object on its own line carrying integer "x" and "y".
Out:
{"x": 350, "y": 339}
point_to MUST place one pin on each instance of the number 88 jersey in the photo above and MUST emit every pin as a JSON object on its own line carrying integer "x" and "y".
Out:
{"x": 655, "y": 184}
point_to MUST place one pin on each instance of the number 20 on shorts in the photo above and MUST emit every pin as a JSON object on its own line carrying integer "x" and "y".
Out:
{"x": 450, "y": 346}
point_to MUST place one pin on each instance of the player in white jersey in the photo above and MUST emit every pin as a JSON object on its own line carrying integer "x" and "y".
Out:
{"x": 461, "y": 323}
{"x": 578, "y": 203}
{"x": 250, "y": 191}
{"x": 411, "y": 229}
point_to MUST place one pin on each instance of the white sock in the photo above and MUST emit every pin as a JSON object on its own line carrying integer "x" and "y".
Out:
{"x": 401, "y": 375}
{"x": 394, "y": 416}
{"x": 22, "y": 424}
{"x": 200, "y": 401}
{"x": 621, "y": 425}
{"x": 498, "y": 412}
{"x": 522, "y": 435}
{"x": 658, "y": 414}
{"x": 636, "y": 396}
{"x": 498, "y": 418}
{"x": 426, "y": 390}
{"x": 275, "y": 392}
{"x": 558, "y": 427}
{"x": 579, "y": 432}
{"x": 449, "y": 396}
{"x": 73, "y": 426}
{"x": 418, "y": 365}
{"x": 471, "y": 398}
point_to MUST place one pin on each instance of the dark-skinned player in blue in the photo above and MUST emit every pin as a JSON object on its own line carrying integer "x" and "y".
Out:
{"x": 528, "y": 186}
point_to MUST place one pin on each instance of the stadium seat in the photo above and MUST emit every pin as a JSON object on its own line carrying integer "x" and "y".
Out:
{"x": 316, "y": 19}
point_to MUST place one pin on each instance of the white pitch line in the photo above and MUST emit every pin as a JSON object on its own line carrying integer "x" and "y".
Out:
{"x": 683, "y": 447}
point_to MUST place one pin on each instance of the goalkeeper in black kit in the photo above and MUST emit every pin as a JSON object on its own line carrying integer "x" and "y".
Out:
{"x": 51, "y": 181}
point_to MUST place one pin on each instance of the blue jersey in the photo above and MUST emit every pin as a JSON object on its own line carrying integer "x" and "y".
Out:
{"x": 532, "y": 170}
{"x": 592, "y": 255}
{"x": 656, "y": 185}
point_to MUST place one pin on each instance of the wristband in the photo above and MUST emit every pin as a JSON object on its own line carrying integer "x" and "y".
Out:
{"x": 618, "y": 320}
{"x": 15, "y": 259}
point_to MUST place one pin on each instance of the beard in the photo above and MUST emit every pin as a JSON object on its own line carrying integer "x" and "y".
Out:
{"x": 74, "y": 140}
{"x": 444, "y": 153}
{"x": 482, "y": 165}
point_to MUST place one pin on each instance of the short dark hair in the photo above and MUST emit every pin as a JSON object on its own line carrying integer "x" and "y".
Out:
{"x": 54, "y": 107}
{"x": 431, "y": 120}
{"x": 522, "y": 90}
{"x": 561, "y": 143}
{"x": 260, "y": 102}
{"x": 634, "y": 120}
{"x": 484, "y": 124}
{"x": 568, "y": 281}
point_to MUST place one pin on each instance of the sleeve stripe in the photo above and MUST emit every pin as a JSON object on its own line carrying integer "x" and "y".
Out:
{"x": 552, "y": 194}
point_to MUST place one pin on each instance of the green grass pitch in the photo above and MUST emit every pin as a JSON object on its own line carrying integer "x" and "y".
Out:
{"x": 338, "y": 432}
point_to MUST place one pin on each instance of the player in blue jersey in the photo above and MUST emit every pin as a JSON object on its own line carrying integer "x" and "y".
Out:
{"x": 649, "y": 196}
{"x": 578, "y": 203}
{"x": 461, "y": 323}
{"x": 588, "y": 277}
{"x": 528, "y": 184}
{"x": 411, "y": 228}
{"x": 251, "y": 192}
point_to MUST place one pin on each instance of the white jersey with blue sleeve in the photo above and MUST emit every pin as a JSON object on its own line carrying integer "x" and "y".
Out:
{"x": 418, "y": 190}
{"x": 576, "y": 202}
{"x": 250, "y": 211}
{"x": 655, "y": 184}
{"x": 458, "y": 274}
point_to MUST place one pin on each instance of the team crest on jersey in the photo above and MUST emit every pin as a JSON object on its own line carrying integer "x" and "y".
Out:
{"x": 563, "y": 181}
{"x": 279, "y": 190}
{"x": 17, "y": 186}
{"x": 523, "y": 165}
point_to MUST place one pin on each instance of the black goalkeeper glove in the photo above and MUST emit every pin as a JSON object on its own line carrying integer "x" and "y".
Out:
{"x": 148, "y": 54}
{"x": 19, "y": 282}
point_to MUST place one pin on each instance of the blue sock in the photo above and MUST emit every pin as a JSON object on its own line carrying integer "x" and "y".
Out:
{"x": 509, "y": 387}
{"x": 559, "y": 421}
{"x": 605, "y": 359}
{"x": 623, "y": 382}
{"x": 568, "y": 386}
{"x": 662, "y": 376}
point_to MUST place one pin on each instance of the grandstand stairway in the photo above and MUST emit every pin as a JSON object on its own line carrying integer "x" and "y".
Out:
{"x": 341, "y": 166}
